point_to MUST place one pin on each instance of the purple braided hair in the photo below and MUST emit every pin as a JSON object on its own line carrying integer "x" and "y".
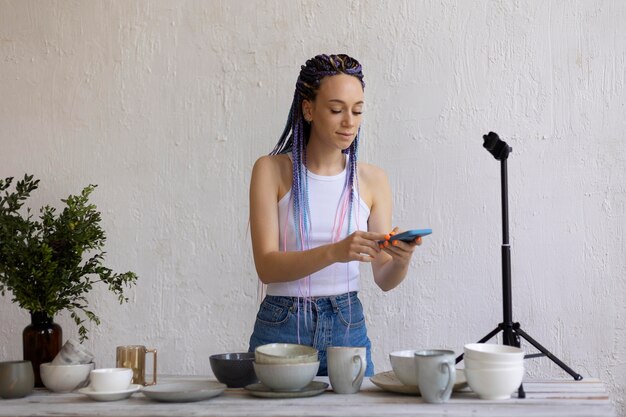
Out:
{"x": 295, "y": 138}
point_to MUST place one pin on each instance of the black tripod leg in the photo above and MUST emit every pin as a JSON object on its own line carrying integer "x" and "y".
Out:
{"x": 546, "y": 352}
{"x": 483, "y": 340}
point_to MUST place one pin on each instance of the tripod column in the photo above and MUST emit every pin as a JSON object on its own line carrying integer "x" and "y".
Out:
{"x": 507, "y": 307}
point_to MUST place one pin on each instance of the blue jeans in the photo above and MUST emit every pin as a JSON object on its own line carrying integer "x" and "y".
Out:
{"x": 325, "y": 321}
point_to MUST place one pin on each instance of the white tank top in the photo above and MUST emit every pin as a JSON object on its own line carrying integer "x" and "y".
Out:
{"x": 324, "y": 200}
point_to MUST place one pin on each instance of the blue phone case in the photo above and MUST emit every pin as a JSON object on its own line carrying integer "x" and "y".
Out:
{"x": 410, "y": 235}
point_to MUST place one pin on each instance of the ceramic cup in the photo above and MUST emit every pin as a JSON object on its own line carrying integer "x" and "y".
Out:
{"x": 73, "y": 353}
{"x": 435, "y": 374}
{"x": 110, "y": 379}
{"x": 17, "y": 379}
{"x": 346, "y": 367}
{"x": 134, "y": 357}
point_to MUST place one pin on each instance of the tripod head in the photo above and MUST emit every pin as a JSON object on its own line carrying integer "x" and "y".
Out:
{"x": 497, "y": 147}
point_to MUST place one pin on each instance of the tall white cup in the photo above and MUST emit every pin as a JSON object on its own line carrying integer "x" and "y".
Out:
{"x": 346, "y": 367}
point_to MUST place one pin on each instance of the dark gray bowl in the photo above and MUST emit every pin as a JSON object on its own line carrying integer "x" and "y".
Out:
{"x": 234, "y": 369}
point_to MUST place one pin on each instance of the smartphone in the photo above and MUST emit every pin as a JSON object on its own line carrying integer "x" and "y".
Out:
{"x": 409, "y": 235}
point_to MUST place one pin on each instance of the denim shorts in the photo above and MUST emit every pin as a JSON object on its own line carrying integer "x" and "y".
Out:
{"x": 320, "y": 322}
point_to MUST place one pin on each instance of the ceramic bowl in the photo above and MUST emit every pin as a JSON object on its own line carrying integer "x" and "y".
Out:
{"x": 234, "y": 369}
{"x": 285, "y": 353}
{"x": 493, "y": 353}
{"x": 404, "y": 366}
{"x": 17, "y": 379}
{"x": 494, "y": 384}
{"x": 471, "y": 363}
{"x": 286, "y": 376}
{"x": 64, "y": 378}
{"x": 110, "y": 379}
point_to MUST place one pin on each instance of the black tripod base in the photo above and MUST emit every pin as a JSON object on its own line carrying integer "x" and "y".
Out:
{"x": 511, "y": 337}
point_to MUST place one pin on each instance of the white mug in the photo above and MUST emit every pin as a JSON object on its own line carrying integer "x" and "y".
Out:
{"x": 435, "y": 374}
{"x": 346, "y": 367}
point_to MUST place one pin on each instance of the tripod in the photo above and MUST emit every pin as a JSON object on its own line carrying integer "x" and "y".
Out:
{"x": 511, "y": 331}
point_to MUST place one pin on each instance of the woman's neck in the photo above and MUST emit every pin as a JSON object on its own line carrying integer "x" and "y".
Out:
{"x": 325, "y": 162}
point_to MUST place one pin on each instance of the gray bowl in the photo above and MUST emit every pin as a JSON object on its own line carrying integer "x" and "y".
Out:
{"x": 234, "y": 369}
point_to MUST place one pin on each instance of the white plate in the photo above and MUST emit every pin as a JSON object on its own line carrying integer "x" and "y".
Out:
{"x": 389, "y": 382}
{"x": 314, "y": 388}
{"x": 109, "y": 396}
{"x": 184, "y": 391}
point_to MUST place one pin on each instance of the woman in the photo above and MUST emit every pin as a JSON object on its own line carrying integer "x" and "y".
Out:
{"x": 315, "y": 214}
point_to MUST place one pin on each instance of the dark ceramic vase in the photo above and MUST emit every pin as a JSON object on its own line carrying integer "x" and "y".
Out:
{"x": 41, "y": 341}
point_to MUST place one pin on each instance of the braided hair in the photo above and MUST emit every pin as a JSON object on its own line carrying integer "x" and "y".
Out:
{"x": 295, "y": 138}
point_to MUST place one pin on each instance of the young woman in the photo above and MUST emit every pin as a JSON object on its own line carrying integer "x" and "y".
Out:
{"x": 315, "y": 214}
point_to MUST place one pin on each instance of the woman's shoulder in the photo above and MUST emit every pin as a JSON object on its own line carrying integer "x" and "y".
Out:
{"x": 274, "y": 171}
{"x": 372, "y": 183}
{"x": 371, "y": 174}
{"x": 280, "y": 162}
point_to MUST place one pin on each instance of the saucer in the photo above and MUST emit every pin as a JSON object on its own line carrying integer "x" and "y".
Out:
{"x": 311, "y": 390}
{"x": 184, "y": 391}
{"x": 389, "y": 382}
{"x": 110, "y": 395}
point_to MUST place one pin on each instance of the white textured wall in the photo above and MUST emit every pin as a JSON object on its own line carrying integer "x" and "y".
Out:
{"x": 166, "y": 105}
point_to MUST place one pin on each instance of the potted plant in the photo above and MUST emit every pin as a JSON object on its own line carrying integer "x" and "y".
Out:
{"x": 51, "y": 262}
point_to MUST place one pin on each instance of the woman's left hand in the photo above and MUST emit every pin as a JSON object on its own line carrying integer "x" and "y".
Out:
{"x": 400, "y": 251}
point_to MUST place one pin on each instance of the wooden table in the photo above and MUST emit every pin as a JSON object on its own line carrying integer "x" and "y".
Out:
{"x": 544, "y": 398}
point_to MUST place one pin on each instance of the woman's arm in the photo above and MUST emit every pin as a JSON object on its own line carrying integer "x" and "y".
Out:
{"x": 273, "y": 265}
{"x": 391, "y": 266}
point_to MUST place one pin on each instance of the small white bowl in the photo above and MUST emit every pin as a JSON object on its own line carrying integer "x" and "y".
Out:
{"x": 285, "y": 353}
{"x": 286, "y": 376}
{"x": 110, "y": 379}
{"x": 493, "y": 353}
{"x": 404, "y": 366}
{"x": 494, "y": 384}
{"x": 474, "y": 364}
{"x": 64, "y": 378}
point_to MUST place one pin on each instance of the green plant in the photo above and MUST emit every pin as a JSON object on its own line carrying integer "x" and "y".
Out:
{"x": 44, "y": 262}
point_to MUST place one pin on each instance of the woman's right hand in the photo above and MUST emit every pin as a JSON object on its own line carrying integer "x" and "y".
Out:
{"x": 359, "y": 246}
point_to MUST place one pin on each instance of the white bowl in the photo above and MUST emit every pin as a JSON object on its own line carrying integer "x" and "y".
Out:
{"x": 285, "y": 353}
{"x": 471, "y": 363}
{"x": 494, "y": 384}
{"x": 404, "y": 366}
{"x": 110, "y": 379}
{"x": 64, "y": 378}
{"x": 493, "y": 353}
{"x": 286, "y": 376}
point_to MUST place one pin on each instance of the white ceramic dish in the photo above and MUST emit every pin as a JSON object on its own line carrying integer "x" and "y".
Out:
{"x": 285, "y": 353}
{"x": 494, "y": 384}
{"x": 184, "y": 391}
{"x": 314, "y": 388}
{"x": 286, "y": 376}
{"x": 390, "y": 382}
{"x": 110, "y": 379}
{"x": 405, "y": 366}
{"x": 65, "y": 378}
{"x": 493, "y": 353}
{"x": 110, "y": 396}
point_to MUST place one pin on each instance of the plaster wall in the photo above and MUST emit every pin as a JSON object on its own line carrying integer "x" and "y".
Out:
{"x": 165, "y": 105}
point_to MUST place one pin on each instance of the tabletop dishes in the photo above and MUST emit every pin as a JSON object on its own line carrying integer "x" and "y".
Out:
{"x": 285, "y": 353}
{"x": 110, "y": 395}
{"x": 110, "y": 379}
{"x": 404, "y": 366}
{"x": 312, "y": 389}
{"x": 234, "y": 369}
{"x": 286, "y": 376}
{"x": 65, "y": 378}
{"x": 494, "y": 372}
{"x": 388, "y": 381}
{"x": 184, "y": 391}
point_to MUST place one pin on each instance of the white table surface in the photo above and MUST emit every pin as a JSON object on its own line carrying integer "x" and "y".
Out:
{"x": 543, "y": 398}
